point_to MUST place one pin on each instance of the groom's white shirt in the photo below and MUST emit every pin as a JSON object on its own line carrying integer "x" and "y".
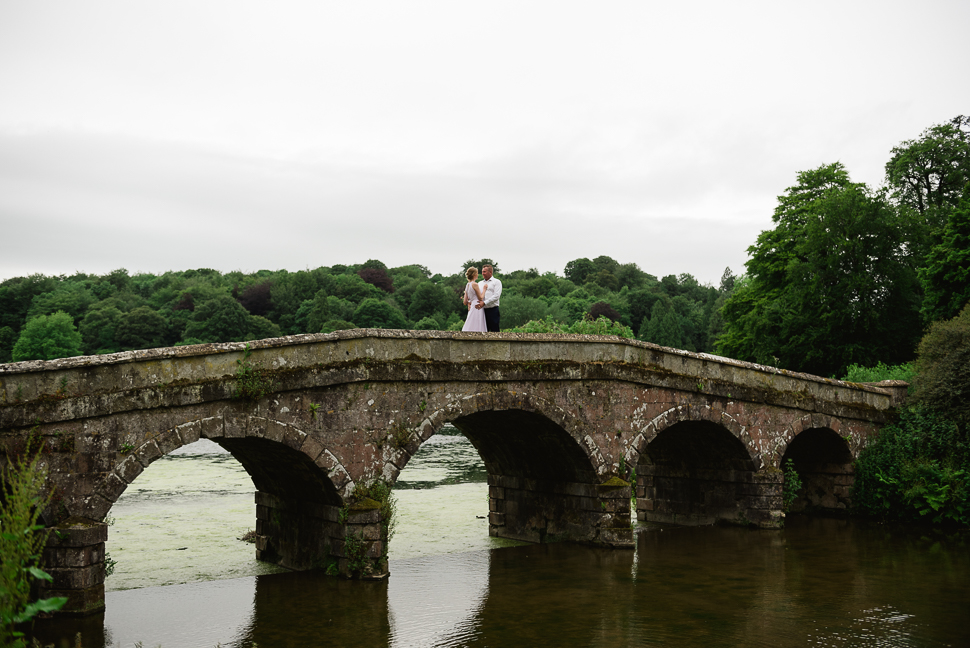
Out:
{"x": 491, "y": 291}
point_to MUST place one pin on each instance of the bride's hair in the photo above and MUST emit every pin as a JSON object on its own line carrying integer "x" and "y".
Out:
{"x": 471, "y": 273}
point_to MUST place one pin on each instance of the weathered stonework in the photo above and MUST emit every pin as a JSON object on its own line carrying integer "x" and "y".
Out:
{"x": 561, "y": 423}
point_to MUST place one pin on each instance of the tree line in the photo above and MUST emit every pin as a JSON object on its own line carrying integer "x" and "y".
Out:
{"x": 44, "y": 317}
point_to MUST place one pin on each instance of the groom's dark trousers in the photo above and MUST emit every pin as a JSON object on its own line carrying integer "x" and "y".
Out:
{"x": 492, "y": 319}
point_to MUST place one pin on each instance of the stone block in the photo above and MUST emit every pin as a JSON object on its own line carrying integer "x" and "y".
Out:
{"x": 168, "y": 440}
{"x": 78, "y": 532}
{"x": 76, "y": 578}
{"x": 65, "y": 557}
{"x": 213, "y": 427}
{"x": 364, "y": 516}
{"x": 130, "y": 468}
{"x": 496, "y": 519}
{"x": 112, "y": 487}
{"x": 189, "y": 432}
{"x": 292, "y": 437}
{"x": 617, "y": 537}
{"x": 311, "y": 448}
{"x": 496, "y": 492}
{"x": 79, "y": 602}
{"x": 148, "y": 452}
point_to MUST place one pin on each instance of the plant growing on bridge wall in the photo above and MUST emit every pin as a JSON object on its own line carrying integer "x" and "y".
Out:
{"x": 793, "y": 484}
{"x": 21, "y": 542}
{"x": 252, "y": 382}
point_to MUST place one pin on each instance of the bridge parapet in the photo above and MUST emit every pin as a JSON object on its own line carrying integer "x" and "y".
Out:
{"x": 90, "y": 385}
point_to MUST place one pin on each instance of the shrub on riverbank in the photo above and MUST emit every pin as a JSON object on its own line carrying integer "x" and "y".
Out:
{"x": 22, "y": 498}
{"x": 917, "y": 470}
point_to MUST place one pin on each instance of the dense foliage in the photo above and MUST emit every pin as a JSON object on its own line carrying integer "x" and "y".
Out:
{"x": 918, "y": 470}
{"x": 22, "y": 498}
{"x": 882, "y": 371}
{"x": 49, "y": 317}
{"x": 943, "y": 366}
{"x": 840, "y": 280}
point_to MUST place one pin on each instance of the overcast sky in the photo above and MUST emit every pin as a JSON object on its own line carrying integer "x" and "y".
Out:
{"x": 243, "y": 136}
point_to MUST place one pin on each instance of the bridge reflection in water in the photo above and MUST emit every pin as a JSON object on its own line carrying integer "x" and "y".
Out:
{"x": 819, "y": 582}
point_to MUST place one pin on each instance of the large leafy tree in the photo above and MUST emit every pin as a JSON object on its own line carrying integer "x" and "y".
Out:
{"x": 831, "y": 285}
{"x": 98, "y": 329}
{"x": 374, "y": 313}
{"x": 930, "y": 172}
{"x": 222, "y": 319}
{"x": 946, "y": 273}
{"x": 142, "y": 328}
{"x": 48, "y": 337}
{"x": 943, "y": 369}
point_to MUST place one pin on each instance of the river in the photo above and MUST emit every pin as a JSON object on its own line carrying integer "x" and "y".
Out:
{"x": 184, "y": 579}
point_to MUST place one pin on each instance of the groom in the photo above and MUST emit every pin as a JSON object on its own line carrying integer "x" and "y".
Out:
{"x": 492, "y": 292}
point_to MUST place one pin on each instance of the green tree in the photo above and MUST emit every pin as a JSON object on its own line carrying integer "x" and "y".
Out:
{"x": 374, "y": 313}
{"x": 98, "y": 330}
{"x": 946, "y": 273}
{"x": 336, "y": 325}
{"x": 918, "y": 469}
{"x": 142, "y": 328}
{"x": 943, "y": 368}
{"x": 930, "y": 172}
{"x": 221, "y": 319}
{"x": 48, "y": 337}
{"x": 16, "y": 296}
{"x": 8, "y": 338}
{"x": 578, "y": 270}
{"x": 664, "y": 327}
{"x": 427, "y": 324}
{"x": 313, "y": 313}
{"x": 428, "y": 299}
{"x": 832, "y": 285}
{"x": 479, "y": 264}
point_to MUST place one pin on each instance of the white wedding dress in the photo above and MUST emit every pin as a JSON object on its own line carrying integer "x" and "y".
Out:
{"x": 475, "y": 320}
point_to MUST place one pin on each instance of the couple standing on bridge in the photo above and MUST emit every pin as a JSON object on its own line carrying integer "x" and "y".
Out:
{"x": 482, "y": 301}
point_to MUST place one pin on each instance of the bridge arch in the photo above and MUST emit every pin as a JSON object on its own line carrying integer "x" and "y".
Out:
{"x": 824, "y": 462}
{"x": 648, "y": 430}
{"x": 544, "y": 468}
{"x": 300, "y": 486}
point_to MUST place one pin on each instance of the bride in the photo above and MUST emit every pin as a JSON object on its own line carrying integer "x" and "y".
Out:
{"x": 475, "y": 320}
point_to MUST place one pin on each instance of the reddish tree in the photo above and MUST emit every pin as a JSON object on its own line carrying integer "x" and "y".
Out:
{"x": 377, "y": 277}
{"x": 602, "y": 309}
{"x": 257, "y": 299}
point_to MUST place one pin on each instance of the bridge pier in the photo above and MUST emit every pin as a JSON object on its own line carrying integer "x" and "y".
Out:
{"x": 74, "y": 557}
{"x": 302, "y": 535}
{"x": 541, "y": 511}
{"x": 669, "y": 495}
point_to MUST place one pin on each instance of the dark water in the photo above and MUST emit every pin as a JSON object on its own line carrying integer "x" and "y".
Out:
{"x": 817, "y": 583}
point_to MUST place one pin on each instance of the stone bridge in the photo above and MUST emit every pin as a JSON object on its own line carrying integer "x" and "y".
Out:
{"x": 324, "y": 423}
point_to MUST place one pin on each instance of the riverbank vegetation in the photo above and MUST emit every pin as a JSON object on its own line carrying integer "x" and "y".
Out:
{"x": 23, "y": 497}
